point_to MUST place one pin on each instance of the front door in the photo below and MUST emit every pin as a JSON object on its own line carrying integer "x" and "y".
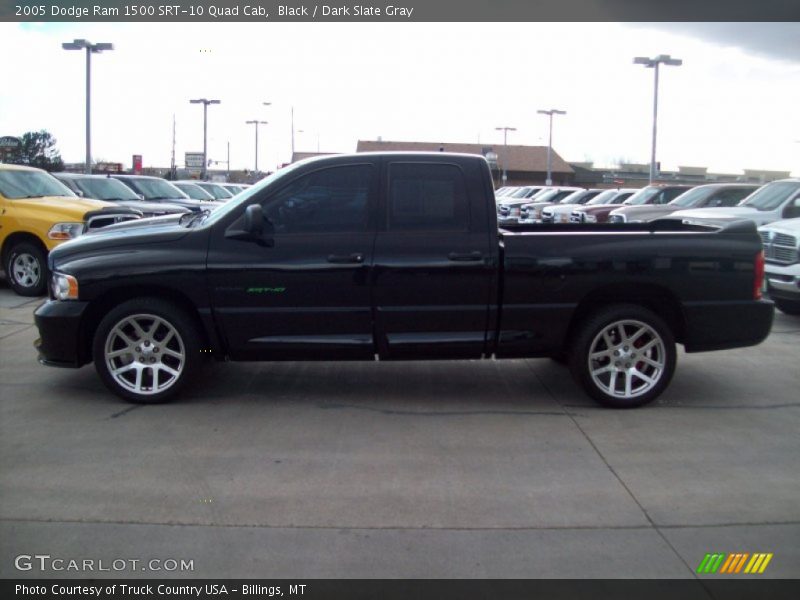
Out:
{"x": 301, "y": 291}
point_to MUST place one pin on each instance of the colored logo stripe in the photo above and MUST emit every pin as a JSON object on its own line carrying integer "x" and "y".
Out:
{"x": 734, "y": 562}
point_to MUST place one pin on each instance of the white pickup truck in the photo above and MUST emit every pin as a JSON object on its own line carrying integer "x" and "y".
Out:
{"x": 772, "y": 202}
{"x": 781, "y": 241}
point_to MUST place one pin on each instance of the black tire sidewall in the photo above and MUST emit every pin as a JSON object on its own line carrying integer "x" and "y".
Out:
{"x": 596, "y": 323}
{"x": 44, "y": 273}
{"x": 182, "y": 322}
{"x": 790, "y": 307}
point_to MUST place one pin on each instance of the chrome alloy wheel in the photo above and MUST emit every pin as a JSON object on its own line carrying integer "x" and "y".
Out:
{"x": 144, "y": 354}
{"x": 627, "y": 359}
{"x": 26, "y": 270}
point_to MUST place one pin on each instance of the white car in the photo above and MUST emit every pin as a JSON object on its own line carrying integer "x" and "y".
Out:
{"x": 559, "y": 213}
{"x": 781, "y": 241}
{"x": 532, "y": 211}
{"x": 772, "y": 202}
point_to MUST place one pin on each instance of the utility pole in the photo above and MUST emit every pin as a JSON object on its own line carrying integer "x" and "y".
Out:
{"x": 205, "y": 104}
{"x": 550, "y": 113}
{"x": 505, "y": 131}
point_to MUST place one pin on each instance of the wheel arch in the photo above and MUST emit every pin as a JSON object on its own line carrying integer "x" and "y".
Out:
{"x": 100, "y": 306}
{"x": 656, "y": 298}
{"x": 19, "y": 237}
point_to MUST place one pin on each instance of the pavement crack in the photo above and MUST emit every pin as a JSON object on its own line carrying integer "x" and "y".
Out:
{"x": 613, "y": 471}
{"x": 447, "y": 413}
{"x": 125, "y": 411}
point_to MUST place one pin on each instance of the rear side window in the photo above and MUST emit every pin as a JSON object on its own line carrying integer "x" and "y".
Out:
{"x": 427, "y": 197}
{"x": 730, "y": 197}
{"x": 329, "y": 200}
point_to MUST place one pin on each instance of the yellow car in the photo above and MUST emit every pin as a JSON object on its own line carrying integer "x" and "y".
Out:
{"x": 37, "y": 212}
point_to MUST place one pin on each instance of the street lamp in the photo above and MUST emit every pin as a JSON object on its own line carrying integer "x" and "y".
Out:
{"x": 550, "y": 113}
{"x": 505, "y": 131}
{"x": 256, "y": 123}
{"x": 90, "y": 49}
{"x": 652, "y": 63}
{"x": 205, "y": 104}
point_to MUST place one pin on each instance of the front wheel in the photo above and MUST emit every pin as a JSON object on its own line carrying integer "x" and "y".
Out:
{"x": 624, "y": 356}
{"x": 26, "y": 269}
{"x": 146, "y": 350}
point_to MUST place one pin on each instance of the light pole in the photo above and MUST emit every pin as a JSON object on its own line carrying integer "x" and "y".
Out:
{"x": 550, "y": 113}
{"x": 90, "y": 49}
{"x": 205, "y": 104}
{"x": 256, "y": 123}
{"x": 505, "y": 131}
{"x": 652, "y": 63}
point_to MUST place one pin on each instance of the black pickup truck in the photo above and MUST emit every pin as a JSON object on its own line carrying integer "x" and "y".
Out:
{"x": 397, "y": 256}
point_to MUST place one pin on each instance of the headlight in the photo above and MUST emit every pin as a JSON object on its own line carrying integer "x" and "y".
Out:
{"x": 65, "y": 231}
{"x": 515, "y": 212}
{"x": 589, "y": 218}
{"x": 65, "y": 287}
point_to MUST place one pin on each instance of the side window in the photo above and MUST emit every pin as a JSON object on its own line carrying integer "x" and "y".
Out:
{"x": 730, "y": 197}
{"x": 669, "y": 195}
{"x": 330, "y": 200}
{"x": 427, "y": 197}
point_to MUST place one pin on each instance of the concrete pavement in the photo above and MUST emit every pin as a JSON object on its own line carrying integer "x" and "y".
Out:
{"x": 419, "y": 469}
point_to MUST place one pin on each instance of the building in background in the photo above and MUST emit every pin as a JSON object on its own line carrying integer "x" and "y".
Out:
{"x": 525, "y": 165}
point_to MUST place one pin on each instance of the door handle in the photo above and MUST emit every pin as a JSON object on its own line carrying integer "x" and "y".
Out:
{"x": 355, "y": 258}
{"x": 465, "y": 256}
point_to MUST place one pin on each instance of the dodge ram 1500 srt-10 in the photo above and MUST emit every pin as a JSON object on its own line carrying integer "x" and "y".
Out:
{"x": 397, "y": 256}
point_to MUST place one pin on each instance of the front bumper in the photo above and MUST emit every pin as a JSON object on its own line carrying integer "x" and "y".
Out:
{"x": 61, "y": 342}
{"x": 724, "y": 325}
{"x": 783, "y": 281}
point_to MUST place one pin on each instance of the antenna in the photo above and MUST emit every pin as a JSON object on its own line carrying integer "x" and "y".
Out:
{"x": 172, "y": 169}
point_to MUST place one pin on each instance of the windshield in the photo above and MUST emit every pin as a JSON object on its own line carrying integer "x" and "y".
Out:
{"x": 219, "y": 192}
{"x": 241, "y": 199}
{"x": 579, "y": 197}
{"x": 520, "y": 193}
{"x": 642, "y": 196}
{"x": 194, "y": 191}
{"x": 546, "y": 196}
{"x": 104, "y": 189}
{"x": 155, "y": 189}
{"x": 771, "y": 196}
{"x": 16, "y": 184}
{"x": 693, "y": 198}
{"x": 603, "y": 198}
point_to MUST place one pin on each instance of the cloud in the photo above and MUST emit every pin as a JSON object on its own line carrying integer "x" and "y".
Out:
{"x": 779, "y": 41}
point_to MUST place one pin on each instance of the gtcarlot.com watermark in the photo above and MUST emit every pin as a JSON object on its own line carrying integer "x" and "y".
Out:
{"x": 46, "y": 562}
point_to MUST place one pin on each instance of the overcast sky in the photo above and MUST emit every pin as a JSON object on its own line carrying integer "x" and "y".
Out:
{"x": 733, "y": 105}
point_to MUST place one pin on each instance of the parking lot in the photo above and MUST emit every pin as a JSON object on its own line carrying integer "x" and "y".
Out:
{"x": 419, "y": 469}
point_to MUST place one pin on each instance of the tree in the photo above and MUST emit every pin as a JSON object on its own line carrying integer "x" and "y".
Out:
{"x": 38, "y": 149}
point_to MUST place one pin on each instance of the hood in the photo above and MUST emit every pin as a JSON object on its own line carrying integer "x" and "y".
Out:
{"x": 631, "y": 211}
{"x": 716, "y": 213}
{"x": 562, "y": 207}
{"x": 64, "y": 208}
{"x": 130, "y": 233}
{"x": 789, "y": 226}
{"x": 598, "y": 208}
{"x": 152, "y": 207}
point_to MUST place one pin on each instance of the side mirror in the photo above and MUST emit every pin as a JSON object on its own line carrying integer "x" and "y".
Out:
{"x": 79, "y": 193}
{"x": 254, "y": 220}
{"x": 141, "y": 196}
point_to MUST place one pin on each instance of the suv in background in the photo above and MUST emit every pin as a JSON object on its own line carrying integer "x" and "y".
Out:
{"x": 532, "y": 210}
{"x": 596, "y": 210}
{"x": 37, "y": 213}
{"x": 103, "y": 187}
{"x": 194, "y": 191}
{"x": 772, "y": 202}
{"x": 508, "y": 206}
{"x": 713, "y": 195}
{"x": 781, "y": 241}
{"x": 155, "y": 189}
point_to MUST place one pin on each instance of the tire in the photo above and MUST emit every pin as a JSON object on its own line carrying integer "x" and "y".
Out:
{"x": 155, "y": 334}
{"x": 790, "y": 307}
{"x": 26, "y": 269}
{"x": 646, "y": 362}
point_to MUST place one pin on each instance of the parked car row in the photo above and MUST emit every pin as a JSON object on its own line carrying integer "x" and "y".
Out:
{"x": 40, "y": 210}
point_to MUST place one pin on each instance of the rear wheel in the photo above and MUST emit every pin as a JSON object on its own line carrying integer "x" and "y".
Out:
{"x": 624, "y": 356}
{"x": 26, "y": 269}
{"x": 790, "y": 307}
{"x": 146, "y": 350}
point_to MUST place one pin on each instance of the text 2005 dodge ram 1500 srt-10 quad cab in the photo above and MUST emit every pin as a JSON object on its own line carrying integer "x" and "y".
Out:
{"x": 397, "y": 256}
